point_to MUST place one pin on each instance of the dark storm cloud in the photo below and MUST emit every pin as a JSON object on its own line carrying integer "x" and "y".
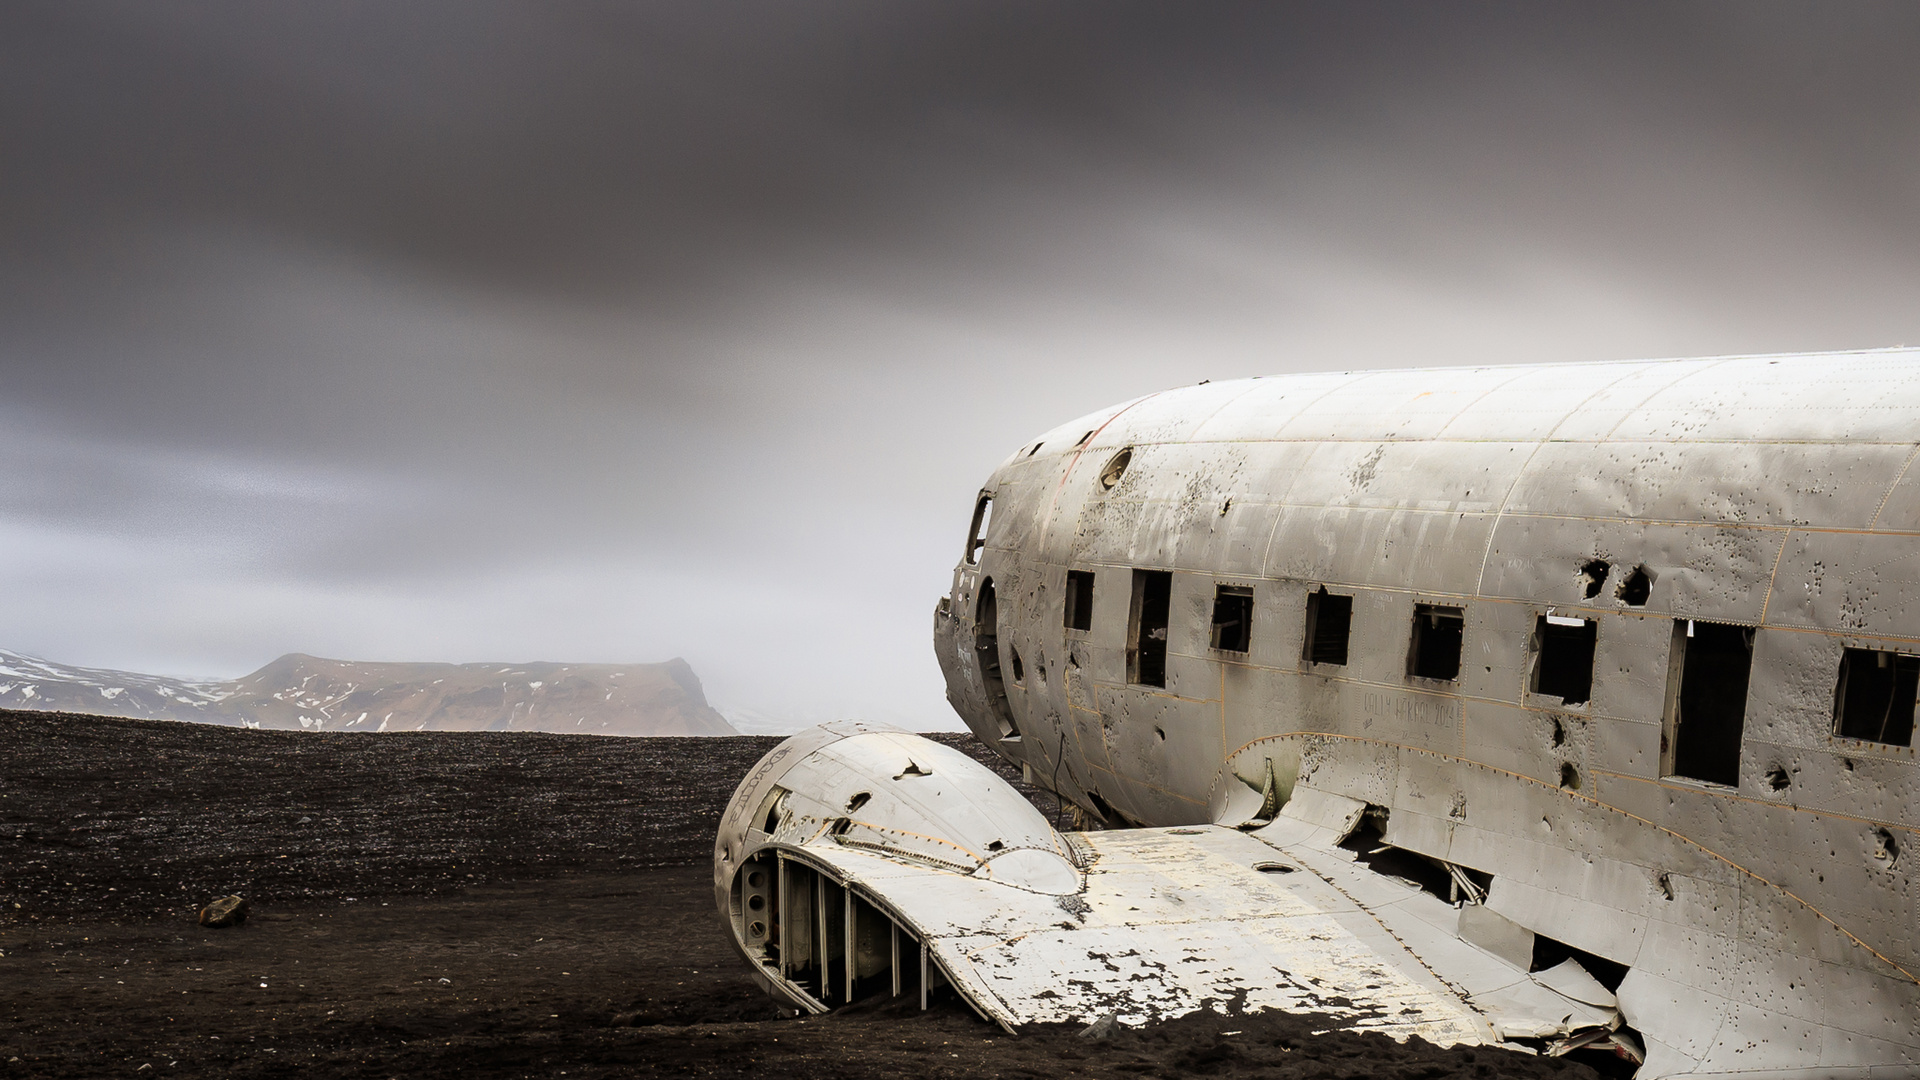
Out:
{"x": 614, "y": 331}
{"x": 595, "y": 146}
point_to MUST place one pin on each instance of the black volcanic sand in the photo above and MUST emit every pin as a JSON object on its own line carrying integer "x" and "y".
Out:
{"x": 473, "y": 905}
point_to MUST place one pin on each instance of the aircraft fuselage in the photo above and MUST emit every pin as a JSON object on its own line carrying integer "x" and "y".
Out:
{"x": 1635, "y": 642}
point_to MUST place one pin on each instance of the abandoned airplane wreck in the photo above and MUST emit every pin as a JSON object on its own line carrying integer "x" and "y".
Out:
{"x": 1568, "y": 707}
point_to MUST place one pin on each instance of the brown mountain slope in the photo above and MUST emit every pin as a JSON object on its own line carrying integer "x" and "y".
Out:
{"x": 311, "y": 693}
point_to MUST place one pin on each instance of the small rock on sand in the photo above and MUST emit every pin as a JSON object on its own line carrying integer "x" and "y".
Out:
{"x": 226, "y": 911}
{"x": 1101, "y": 1029}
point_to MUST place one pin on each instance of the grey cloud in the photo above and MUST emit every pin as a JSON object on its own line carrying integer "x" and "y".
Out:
{"x": 618, "y": 331}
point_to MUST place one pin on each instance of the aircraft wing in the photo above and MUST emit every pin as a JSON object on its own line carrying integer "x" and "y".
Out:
{"x": 941, "y": 874}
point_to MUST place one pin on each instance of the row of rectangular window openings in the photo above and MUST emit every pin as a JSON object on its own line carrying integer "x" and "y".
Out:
{"x": 1873, "y": 700}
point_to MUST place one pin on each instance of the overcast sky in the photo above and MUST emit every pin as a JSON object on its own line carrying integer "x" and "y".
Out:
{"x": 616, "y": 332}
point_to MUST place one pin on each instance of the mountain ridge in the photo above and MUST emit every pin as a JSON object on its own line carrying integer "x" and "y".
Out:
{"x": 310, "y": 693}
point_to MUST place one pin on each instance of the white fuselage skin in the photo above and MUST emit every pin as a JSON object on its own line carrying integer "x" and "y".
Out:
{"x": 1692, "y": 553}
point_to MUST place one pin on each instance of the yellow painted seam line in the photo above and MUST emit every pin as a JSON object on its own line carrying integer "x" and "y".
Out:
{"x": 1893, "y": 487}
{"x": 1518, "y": 374}
{"x": 1500, "y": 513}
{"x": 1266, "y": 552}
{"x": 1046, "y": 523}
{"x": 1163, "y": 694}
{"x": 1496, "y": 514}
{"x": 1208, "y": 419}
{"x": 1459, "y": 992}
{"x": 1732, "y": 796}
{"x": 1766, "y": 598}
{"x": 1688, "y": 371}
{"x": 976, "y": 856}
{"x": 1728, "y": 794}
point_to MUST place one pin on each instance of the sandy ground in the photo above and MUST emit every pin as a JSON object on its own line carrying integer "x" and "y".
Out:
{"x": 478, "y": 905}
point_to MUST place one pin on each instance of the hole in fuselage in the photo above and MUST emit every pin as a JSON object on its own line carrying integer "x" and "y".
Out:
{"x": 986, "y": 649}
{"x": 1104, "y": 810}
{"x": 1637, "y": 587}
{"x": 1593, "y": 575}
{"x": 1710, "y": 709}
{"x": 1564, "y": 664}
{"x": 1147, "y": 634}
{"x": 1329, "y": 621}
{"x": 1886, "y": 849}
{"x": 1232, "y": 618}
{"x": 776, "y": 804}
{"x": 1079, "y": 602}
{"x": 1434, "y": 652}
{"x": 1548, "y": 952}
{"x": 1874, "y": 698}
{"x": 1407, "y": 867}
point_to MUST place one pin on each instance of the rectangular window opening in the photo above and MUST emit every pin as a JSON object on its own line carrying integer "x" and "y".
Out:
{"x": 1875, "y": 696}
{"x": 1079, "y": 614}
{"x": 1434, "y": 652}
{"x": 977, "y": 533}
{"x": 1329, "y": 619}
{"x": 1232, "y": 618}
{"x": 1563, "y": 658}
{"x": 1147, "y": 628}
{"x": 1707, "y": 708}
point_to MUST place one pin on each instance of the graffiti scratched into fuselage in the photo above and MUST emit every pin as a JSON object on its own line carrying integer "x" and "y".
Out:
{"x": 1565, "y": 705}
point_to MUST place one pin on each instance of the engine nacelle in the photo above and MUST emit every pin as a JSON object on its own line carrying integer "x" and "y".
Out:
{"x": 824, "y": 854}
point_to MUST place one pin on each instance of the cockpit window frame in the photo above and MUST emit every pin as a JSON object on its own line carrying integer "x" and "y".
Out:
{"x": 977, "y": 532}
